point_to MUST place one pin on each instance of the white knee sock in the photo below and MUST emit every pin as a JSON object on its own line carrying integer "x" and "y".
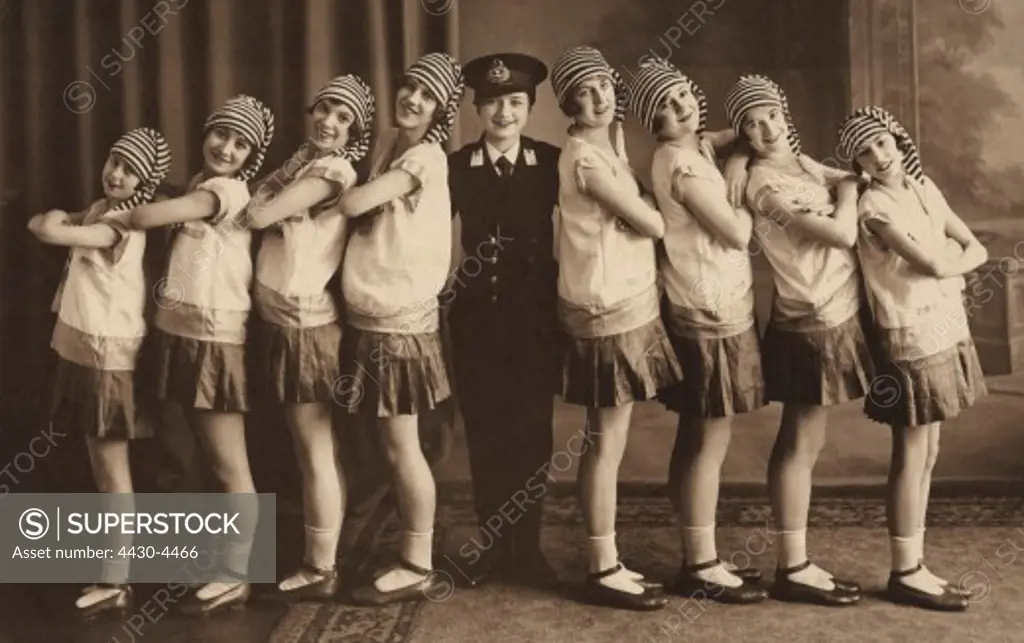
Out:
{"x": 792, "y": 548}
{"x": 699, "y": 544}
{"x": 604, "y": 554}
{"x": 322, "y": 546}
{"x": 904, "y": 553}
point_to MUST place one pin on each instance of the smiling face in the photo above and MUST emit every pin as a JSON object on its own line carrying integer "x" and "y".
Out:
{"x": 415, "y": 106}
{"x": 225, "y": 151}
{"x": 332, "y": 124}
{"x": 119, "y": 181}
{"x": 504, "y": 117}
{"x": 678, "y": 114}
{"x": 595, "y": 100}
{"x": 882, "y": 159}
{"x": 767, "y": 130}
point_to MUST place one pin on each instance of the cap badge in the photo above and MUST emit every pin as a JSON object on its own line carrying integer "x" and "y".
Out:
{"x": 498, "y": 73}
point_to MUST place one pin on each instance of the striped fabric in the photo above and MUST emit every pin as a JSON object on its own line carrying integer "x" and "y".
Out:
{"x": 758, "y": 91}
{"x": 352, "y": 92}
{"x": 148, "y": 155}
{"x": 254, "y": 121}
{"x": 442, "y": 76}
{"x": 576, "y": 65}
{"x": 868, "y": 122}
{"x": 653, "y": 81}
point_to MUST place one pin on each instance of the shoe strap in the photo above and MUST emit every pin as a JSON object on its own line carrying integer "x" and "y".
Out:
{"x": 596, "y": 576}
{"x": 233, "y": 574}
{"x": 320, "y": 571}
{"x": 714, "y": 562}
{"x": 787, "y": 571}
{"x": 422, "y": 571}
{"x": 907, "y": 572}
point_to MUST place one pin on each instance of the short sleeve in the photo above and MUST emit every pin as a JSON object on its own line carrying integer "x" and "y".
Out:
{"x": 427, "y": 164}
{"x": 585, "y": 159}
{"x": 870, "y": 208}
{"x": 686, "y": 166}
{"x": 336, "y": 170}
{"x": 232, "y": 197}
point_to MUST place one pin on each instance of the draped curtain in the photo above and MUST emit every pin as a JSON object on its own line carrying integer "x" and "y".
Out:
{"x": 78, "y": 73}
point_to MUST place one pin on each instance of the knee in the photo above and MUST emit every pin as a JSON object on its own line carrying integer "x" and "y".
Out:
{"x": 911, "y": 449}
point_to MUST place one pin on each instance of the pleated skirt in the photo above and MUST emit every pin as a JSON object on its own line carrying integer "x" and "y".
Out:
{"x": 200, "y": 374}
{"x": 930, "y": 389}
{"x": 391, "y": 374}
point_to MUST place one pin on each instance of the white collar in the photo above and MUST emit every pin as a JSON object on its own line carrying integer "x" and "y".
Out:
{"x": 493, "y": 154}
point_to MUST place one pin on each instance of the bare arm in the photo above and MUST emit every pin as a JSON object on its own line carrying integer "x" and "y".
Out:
{"x": 722, "y": 139}
{"x": 387, "y": 187}
{"x": 191, "y": 207}
{"x": 974, "y": 253}
{"x": 736, "y": 176}
{"x": 56, "y": 232}
{"x": 632, "y": 208}
{"x": 300, "y": 195}
{"x": 838, "y": 231}
{"x": 730, "y": 227}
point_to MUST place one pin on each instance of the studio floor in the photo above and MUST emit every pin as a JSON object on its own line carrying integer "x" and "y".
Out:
{"x": 972, "y": 541}
{"x": 976, "y": 536}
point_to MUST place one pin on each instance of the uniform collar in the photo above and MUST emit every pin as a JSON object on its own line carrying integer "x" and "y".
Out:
{"x": 486, "y": 150}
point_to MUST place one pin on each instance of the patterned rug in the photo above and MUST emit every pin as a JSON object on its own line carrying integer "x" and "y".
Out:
{"x": 970, "y": 540}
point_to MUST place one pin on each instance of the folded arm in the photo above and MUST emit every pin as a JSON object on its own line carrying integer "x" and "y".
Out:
{"x": 731, "y": 227}
{"x": 632, "y": 208}
{"x": 301, "y": 195}
{"x": 837, "y": 231}
{"x": 385, "y": 188}
{"x": 191, "y": 207}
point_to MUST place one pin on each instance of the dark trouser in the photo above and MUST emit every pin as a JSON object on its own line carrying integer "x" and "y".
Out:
{"x": 507, "y": 402}
{"x": 509, "y": 449}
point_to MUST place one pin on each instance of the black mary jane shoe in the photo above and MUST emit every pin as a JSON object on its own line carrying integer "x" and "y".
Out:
{"x": 321, "y": 590}
{"x": 748, "y": 574}
{"x": 955, "y": 589}
{"x": 113, "y": 605}
{"x": 597, "y": 593}
{"x": 688, "y": 584}
{"x": 231, "y": 599}
{"x": 429, "y": 586}
{"x": 646, "y": 583}
{"x": 790, "y": 591}
{"x": 903, "y": 594}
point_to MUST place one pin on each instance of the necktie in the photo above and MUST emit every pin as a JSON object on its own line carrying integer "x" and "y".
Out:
{"x": 504, "y": 166}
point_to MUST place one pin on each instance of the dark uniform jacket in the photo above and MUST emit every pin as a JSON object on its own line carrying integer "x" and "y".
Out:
{"x": 503, "y": 301}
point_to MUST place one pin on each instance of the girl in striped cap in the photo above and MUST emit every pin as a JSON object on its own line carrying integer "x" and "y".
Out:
{"x": 914, "y": 252}
{"x": 100, "y": 327}
{"x": 300, "y": 340}
{"x": 618, "y": 352}
{"x": 815, "y": 351}
{"x": 202, "y": 313}
{"x": 709, "y": 313}
{"x": 396, "y": 266}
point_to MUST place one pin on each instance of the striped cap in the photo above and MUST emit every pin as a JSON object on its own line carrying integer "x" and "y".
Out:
{"x": 352, "y": 92}
{"x": 254, "y": 121}
{"x": 868, "y": 122}
{"x": 442, "y": 76}
{"x": 577, "y": 64}
{"x": 758, "y": 91}
{"x": 653, "y": 81}
{"x": 148, "y": 156}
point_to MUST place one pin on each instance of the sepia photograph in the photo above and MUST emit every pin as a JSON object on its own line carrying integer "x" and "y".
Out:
{"x": 406, "y": 321}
